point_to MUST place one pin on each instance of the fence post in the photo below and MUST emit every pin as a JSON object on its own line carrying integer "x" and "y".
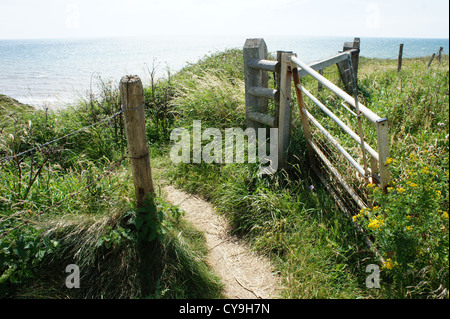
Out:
{"x": 400, "y": 57}
{"x": 254, "y": 49}
{"x": 383, "y": 151}
{"x": 277, "y": 87}
{"x": 284, "y": 122}
{"x": 343, "y": 66}
{"x": 431, "y": 60}
{"x": 440, "y": 53}
{"x": 132, "y": 93}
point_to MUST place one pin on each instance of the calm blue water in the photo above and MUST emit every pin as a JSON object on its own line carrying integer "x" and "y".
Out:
{"x": 54, "y": 72}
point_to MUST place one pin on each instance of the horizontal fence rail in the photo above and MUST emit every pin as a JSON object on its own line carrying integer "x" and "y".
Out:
{"x": 322, "y": 64}
{"x": 264, "y": 65}
{"x": 339, "y": 122}
{"x": 367, "y": 113}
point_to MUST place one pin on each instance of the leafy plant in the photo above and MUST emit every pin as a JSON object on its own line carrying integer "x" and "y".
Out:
{"x": 151, "y": 221}
{"x": 21, "y": 251}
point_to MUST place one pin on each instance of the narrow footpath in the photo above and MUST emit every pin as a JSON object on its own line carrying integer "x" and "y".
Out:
{"x": 244, "y": 274}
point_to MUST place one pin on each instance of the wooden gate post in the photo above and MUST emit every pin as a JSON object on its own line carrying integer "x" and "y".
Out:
{"x": 132, "y": 93}
{"x": 254, "y": 49}
{"x": 284, "y": 121}
{"x": 343, "y": 66}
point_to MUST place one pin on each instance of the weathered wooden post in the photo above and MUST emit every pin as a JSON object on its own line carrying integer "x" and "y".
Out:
{"x": 132, "y": 93}
{"x": 400, "y": 57}
{"x": 254, "y": 49}
{"x": 431, "y": 60}
{"x": 440, "y": 53}
{"x": 343, "y": 66}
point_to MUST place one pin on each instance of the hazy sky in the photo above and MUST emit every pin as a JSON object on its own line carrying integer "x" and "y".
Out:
{"x": 249, "y": 18}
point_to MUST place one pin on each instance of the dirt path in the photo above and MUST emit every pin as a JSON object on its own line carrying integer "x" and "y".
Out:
{"x": 245, "y": 275}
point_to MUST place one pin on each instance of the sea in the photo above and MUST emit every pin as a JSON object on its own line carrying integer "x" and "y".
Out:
{"x": 53, "y": 73}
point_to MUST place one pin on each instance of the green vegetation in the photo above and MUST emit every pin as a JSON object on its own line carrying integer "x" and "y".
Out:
{"x": 72, "y": 202}
{"x": 288, "y": 216}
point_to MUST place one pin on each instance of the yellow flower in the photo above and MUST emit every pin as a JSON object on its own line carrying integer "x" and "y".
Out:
{"x": 400, "y": 190}
{"x": 370, "y": 185}
{"x": 445, "y": 215}
{"x": 438, "y": 194}
{"x": 354, "y": 218}
{"x": 390, "y": 189}
{"x": 425, "y": 170}
{"x": 409, "y": 228}
{"x": 375, "y": 224}
{"x": 389, "y": 160}
{"x": 389, "y": 264}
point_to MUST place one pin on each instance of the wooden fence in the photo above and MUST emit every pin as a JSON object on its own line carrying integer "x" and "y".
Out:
{"x": 289, "y": 69}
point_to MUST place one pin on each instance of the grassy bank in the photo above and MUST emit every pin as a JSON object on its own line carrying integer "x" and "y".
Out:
{"x": 288, "y": 216}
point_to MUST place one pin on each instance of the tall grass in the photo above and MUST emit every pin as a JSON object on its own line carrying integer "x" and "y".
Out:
{"x": 92, "y": 229}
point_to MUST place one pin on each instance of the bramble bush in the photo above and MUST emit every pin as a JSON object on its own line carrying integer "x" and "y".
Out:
{"x": 410, "y": 224}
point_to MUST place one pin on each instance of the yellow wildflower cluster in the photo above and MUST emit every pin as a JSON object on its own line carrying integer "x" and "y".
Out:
{"x": 376, "y": 223}
{"x": 400, "y": 190}
{"x": 411, "y": 184}
{"x": 389, "y": 161}
{"x": 412, "y": 157}
{"x": 389, "y": 264}
{"x": 444, "y": 214}
{"x": 425, "y": 170}
{"x": 409, "y": 228}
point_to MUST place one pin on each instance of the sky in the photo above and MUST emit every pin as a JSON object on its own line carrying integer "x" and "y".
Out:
{"x": 28, "y": 19}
